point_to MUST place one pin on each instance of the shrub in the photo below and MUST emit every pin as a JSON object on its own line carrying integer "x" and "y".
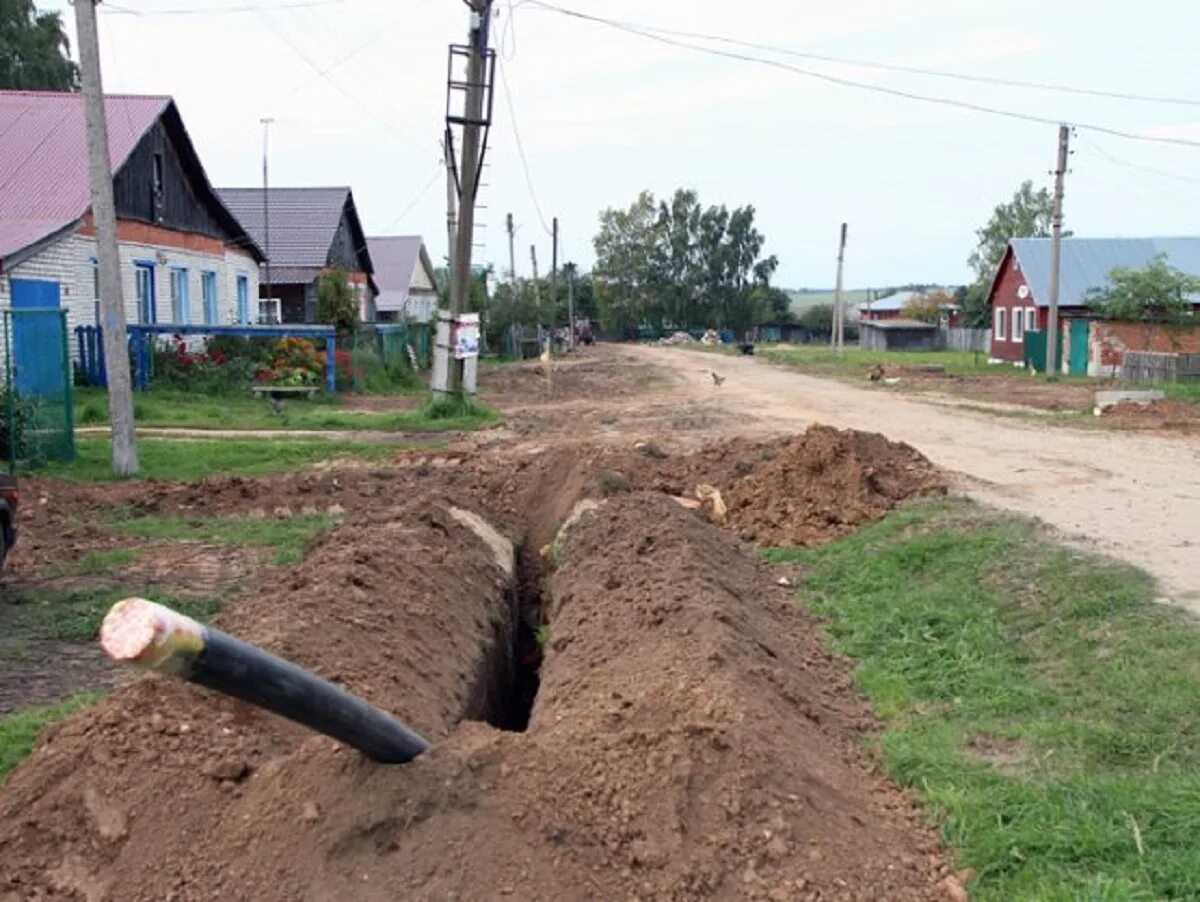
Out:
{"x": 295, "y": 361}
{"x": 335, "y": 301}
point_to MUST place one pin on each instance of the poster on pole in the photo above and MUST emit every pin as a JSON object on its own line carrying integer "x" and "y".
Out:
{"x": 466, "y": 336}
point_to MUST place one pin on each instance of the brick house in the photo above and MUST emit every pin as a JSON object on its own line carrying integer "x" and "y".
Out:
{"x": 184, "y": 257}
{"x": 1020, "y": 291}
{"x": 312, "y": 231}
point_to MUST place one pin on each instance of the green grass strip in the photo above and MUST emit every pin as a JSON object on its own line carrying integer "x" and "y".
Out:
{"x": 19, "y": 732}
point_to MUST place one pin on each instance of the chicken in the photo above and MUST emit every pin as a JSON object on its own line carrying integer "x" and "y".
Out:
{"x": 718, "y": 381}
{"x": 876, "y": 373}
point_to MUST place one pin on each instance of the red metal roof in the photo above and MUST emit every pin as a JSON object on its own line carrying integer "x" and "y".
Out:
{"x": 43, "y": 158}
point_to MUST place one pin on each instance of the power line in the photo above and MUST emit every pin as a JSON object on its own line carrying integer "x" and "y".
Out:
{"x": 851, "y": 83}
{"x": 416, "y": 200}
{"x": 512, "y": 117}
{"x": 1128, "y": 165}
{"x": 913, "y": 70}
{"x": 210, "y": 10}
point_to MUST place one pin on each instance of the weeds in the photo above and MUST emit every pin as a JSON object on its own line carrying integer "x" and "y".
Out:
{"x": 74, "y": 615}
{"x": 289, "y": 537}
{"x": 1038, "y": 699}
{"x": 19, "y": 732}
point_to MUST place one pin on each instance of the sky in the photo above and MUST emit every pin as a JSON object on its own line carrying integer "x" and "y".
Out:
{"x": 357, "y": 92}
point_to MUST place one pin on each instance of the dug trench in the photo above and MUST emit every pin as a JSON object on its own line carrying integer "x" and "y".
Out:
{"x": 690, "y": 736}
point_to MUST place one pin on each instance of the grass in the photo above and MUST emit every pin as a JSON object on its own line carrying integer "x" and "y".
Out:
{"x": 177, "y": 460}
{"x": 856, "y": 362}
{"x": 1040, "y": 702}
{"x": 74, "y": 615}
{"x": 96, "y": 563}
{"x": 19, "y": 732}
{"x": 289, "y": 537}
{"x": 1183, "y": 391}
{"x": 163, "y": 408}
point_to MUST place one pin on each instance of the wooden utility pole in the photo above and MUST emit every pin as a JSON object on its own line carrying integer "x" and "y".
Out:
{"x": 554, "y": 268}
{"x": 104, "y": 213}
{"x": 451, "y": 206}
{"x": 571, "y": 307}
{"x": 512, "y": 254}
{"x": 476, "y": 84}
{"x": 838, "y": 338}
{"x": 1060, "y": 172}
{"x": 537, "y": 297}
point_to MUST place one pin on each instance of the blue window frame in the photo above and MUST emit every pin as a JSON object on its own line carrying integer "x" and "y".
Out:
{"x": 180, "y": 306}
{"x": 147, "y": 301}
{"x": 208, "y": 288}
{"x": 243, "y": 300}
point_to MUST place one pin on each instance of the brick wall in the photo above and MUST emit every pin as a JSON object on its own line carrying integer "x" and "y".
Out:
{"x": 1108, "y": 342}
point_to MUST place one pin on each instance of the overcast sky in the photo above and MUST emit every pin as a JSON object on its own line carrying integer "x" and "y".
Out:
{"x": 605, "y": 114}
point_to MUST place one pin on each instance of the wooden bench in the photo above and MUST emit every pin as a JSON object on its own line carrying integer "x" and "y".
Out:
{"x": 280, "y": 392}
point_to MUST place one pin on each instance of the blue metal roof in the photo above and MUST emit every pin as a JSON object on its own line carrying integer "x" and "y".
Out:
{"x": 1086, "y": 262}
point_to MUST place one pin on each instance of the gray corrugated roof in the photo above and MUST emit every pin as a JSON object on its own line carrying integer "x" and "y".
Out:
{"x": 1086, "y": 262}
{"x": 396, "y": 258}
{"x": 303, "y": 221}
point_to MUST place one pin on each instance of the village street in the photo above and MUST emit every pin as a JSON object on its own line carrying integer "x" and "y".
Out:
{"x": 1135, "y": 497}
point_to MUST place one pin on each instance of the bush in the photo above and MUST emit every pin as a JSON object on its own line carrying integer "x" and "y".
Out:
{"x": 335, "y": 301}
{"x": 294, "y": 361}
{"x": 223, "y": 367}
{"x": 12, "y": 440}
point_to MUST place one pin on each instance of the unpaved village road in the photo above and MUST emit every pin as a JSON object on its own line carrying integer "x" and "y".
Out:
{"x": 1135, "y": 497}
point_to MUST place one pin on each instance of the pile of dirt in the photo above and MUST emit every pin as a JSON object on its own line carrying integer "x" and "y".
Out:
{"x": 691, "y": 739}
{"x": 405, "y": 606}
{"x": 1164, "y": 414}
{"x": 824, "y": 484}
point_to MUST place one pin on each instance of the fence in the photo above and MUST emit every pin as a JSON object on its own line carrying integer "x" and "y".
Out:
{"x": 394, "y": 341}
{"x": 1155, "y": 366}
{"x": 38, "y": 416}
{"x": 966, "y": 340}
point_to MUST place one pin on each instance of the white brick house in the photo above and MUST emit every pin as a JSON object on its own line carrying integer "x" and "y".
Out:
{"x": 184, "y": 257}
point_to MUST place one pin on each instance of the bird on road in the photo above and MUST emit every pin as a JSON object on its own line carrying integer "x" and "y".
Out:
{"x": 717, "y": 380}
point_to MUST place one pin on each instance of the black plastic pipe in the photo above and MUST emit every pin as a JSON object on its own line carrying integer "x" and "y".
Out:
{"x": 154, "y": 637}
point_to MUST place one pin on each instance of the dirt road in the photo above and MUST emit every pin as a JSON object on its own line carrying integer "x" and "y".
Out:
{"x": 1135, "y": 497}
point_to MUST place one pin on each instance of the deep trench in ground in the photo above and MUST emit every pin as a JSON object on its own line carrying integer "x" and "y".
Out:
{"x": 509, "y": 678}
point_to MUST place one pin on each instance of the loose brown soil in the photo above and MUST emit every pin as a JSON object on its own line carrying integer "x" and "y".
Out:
{"x": 1166, "y": 415}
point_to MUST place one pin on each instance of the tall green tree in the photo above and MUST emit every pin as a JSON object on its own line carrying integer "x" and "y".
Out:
{"x": 627, "y": 260}
{"x": 34, "y": 49}
{"x": 1154, "y": 293}
{"x": 1027, "y": 215}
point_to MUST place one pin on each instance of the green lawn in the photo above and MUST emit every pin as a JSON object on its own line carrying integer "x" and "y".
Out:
{"x": 1183, "y": 391}
{"x": 289, "y": 537}
{"x": 183, "y": 460}
{"x": 855, "y": 362}
{"x": 19, "y": 732}
{"x": 1046, "y": 710}
{"x": 74, "y": 615}
{"x": 169, "y": 408}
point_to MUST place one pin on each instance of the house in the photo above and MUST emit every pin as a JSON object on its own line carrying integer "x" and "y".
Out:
{"x": 406, "y": 279}
{"x": 184, "y": 257}
{"x": 312, "y": 231}
{"x": 1019, "y": 296}
{"x": 892, "y": 307}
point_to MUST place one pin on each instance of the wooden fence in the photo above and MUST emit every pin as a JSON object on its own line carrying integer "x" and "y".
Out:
{"x": 966, "y": 340}
{"x": 1155, "y": 366}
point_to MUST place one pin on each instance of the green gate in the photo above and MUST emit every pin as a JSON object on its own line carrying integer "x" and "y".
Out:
{"x": 1077, "y": 365}
{"x": 38, "y": 416}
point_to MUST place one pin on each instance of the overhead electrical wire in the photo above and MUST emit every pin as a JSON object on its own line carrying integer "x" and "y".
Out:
{"x": 663, "y": 37}
{"x": 1118, "y": 161}
{"x": 512, "y": 118}
{"x": 217, "y": 10}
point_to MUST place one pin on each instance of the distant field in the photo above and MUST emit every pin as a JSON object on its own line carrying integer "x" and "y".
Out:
{"x": 803, "y": 300}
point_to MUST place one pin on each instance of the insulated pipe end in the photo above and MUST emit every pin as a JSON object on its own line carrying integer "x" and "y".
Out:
{"x": 140, "y": 632}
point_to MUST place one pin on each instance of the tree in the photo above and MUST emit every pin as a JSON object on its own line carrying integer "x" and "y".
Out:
{"x": 927, "y": 306}
{"x": 625, "y": 269}
{"x": 335, "y": 301}
{"x": 34, "y": 49}
{"x": 1154, "y": 294}
{"x": 1027, "y": 215}
{"x": 818, "y": 319}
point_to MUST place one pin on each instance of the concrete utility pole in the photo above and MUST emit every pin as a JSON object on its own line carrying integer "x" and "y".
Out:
{"x": 537, "y": 298}
{"x": 571, "y": 307}
{"x": 476, "y": 83}
{"x": 1060, "y": 172}
{"x": 554, "y": 266}
{"x": 266, "y": 124}
{"x": 104, "y": 214}
{"x": 451, "y": 206}
{"x": 838, "y": 339}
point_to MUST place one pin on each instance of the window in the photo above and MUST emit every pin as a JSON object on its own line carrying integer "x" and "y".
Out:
{"x": 146, "y": 299}
{"x": 96, "y": 287}
{"x": 1031, "y": 323}
{"x": 268, "y": 312}
{"x": 1018, "y": 324}
{"x": 156, "y": 189}
{"x": 998, "y": 327}
{"x": 243, "y": 300}
{"x": 180, "y": 308}
{"x": 208, "y": 287}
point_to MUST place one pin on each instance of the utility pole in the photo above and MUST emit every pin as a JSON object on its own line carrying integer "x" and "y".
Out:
{"x": 839, "y": 316}
{"x": 554, "y": 268}
{"x": 266, "y": 124}
{"x": 571, "y": 307}
{"x": 537, "y": 298}
{"x": 475, "y": 118}
{"x": 512, "y": 254}
{"x": 104, "y": 214}
{"x": 1060, "y": 172}
{"x": 451, "y": 205}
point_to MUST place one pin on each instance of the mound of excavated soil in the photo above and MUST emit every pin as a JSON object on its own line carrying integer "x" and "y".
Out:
{"x": 691, "y": 739}
{"x": 824, "y": 484}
